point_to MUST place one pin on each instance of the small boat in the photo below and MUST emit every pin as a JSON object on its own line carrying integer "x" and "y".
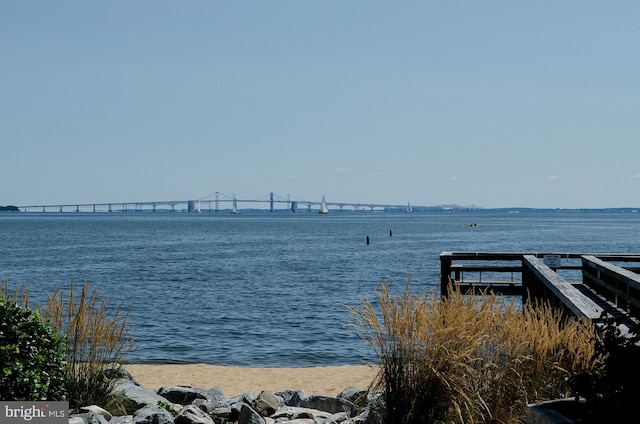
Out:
{"x": 409, "y": 209}
{"x": 234, "y": 209}
{"x": 323, "y": 207}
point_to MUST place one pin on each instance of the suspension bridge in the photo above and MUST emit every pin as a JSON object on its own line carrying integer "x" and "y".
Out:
{"x": 215, "y": 202}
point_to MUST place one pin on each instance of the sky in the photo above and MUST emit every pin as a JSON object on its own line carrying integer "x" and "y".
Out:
{"x": 486, "y": 103}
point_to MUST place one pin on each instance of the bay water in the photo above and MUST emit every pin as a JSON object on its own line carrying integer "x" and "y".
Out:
{"x": 270, "y": 289}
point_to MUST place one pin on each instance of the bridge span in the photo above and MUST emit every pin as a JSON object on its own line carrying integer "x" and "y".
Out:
{"x": 213, "y": 203}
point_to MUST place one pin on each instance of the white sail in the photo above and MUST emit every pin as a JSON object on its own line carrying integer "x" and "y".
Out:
{"x": 409, "y": 209}
{"x": 323, "y": 206}
{"x": 234, "y": 209}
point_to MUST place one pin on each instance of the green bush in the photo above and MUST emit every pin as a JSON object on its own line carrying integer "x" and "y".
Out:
{"x": 81, "y": 366}
{"x": 32, "y": 355}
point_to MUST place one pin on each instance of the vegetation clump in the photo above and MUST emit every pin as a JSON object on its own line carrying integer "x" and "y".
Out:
{"x": 611, "y": 390}
{"x": 97, "y": 341}
{"x": 469, "y": 359}
{"x": 81, "y": 365}
{"x": 32, "y": 354}
{"x": 9, "y": 208}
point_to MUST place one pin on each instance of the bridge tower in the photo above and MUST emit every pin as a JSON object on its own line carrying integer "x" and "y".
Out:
{"x": 217, "y": 200}
{"x": 271, "y": 201}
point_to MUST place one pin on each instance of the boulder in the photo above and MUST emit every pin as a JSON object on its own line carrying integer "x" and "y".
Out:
{"x": 249, "y": 416}
{"x": 125, "y": 419}
{"x": 87, "y": 418}
{"x": 267, "y": 403}
{"x": 215, "y": 408}
{"x": 94, "y": 409}
{"x": 117, "y": 371}
{"x": 152, "y": 415}
{"x": 336, "y": 418}
{"x": 293, "y": 398}
{"x": 136, "y": 397}
{"x": 215, "y": 394}
{"x": 183, "y": 395}
{"x": 330, "y": 404}
{"x": 354, "y": 395}
{"x": 191, "y": 414}
{"x": 290, "y": 413}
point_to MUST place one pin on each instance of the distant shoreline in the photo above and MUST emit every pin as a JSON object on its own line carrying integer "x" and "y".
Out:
{"x": 85, "y": 209}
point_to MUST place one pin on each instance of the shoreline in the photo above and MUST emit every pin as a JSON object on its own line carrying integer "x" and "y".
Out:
{"x": 233, "y": 380}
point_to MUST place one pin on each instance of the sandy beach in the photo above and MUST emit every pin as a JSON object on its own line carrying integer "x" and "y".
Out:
{"x": 237, "y": 380}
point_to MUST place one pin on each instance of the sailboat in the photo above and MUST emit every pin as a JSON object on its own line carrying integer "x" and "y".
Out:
{"x": 323, "y": 207}
{"x": 234, "y": 209}
{"x": 409, "y": 209}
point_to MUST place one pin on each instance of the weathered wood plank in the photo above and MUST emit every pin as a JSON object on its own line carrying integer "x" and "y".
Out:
{"x": 575, "y": 301}
{"x": 495, "y": 268}
{"x": 620, "y": 285}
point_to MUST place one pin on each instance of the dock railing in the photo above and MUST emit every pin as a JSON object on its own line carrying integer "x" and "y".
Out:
{"x": 619, "y": 286}
{"x": 582, "y": 284}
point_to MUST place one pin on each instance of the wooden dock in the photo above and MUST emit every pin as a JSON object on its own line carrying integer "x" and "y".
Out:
{"x": 581, "y": 284}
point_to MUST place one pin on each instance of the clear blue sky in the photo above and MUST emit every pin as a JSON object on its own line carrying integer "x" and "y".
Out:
{"x": 492, "y": 103}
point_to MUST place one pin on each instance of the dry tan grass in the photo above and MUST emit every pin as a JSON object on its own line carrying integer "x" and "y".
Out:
{"x": 20, "y": 295}
{"x": 97, "y": 340}
{"x": 469, "y": 358}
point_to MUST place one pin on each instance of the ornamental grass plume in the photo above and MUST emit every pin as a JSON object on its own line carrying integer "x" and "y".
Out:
{"x": 469, "y": 359}
{"x": 97, "y": 341}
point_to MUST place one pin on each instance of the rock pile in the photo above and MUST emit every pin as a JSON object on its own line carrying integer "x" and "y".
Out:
{"x": 193, "y": 405}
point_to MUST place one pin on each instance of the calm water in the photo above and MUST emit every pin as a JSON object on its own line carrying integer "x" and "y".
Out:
{"x": 267, "y": 289}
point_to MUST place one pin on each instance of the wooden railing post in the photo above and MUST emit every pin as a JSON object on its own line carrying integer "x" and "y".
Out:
{"x": 445, "y": 273}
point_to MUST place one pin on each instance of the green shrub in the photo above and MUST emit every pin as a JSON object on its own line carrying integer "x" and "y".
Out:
{"x": 86, "y": 360}
{"x": 32, "y": 355}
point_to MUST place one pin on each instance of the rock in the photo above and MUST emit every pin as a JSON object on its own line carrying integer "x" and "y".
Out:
{"x": 136, "y": 397}
{"x": 183, "y": 395}
{"x": 293, "y": 398}
{"x": 289, "y": 413}
{"x": 192, "y": 415}
{"x": 235, "y": 409}
{"x": 215, "y": 394}
{"x": 217, "y": 408}
{"x": 267, "y": 403}
{"x": 249, "y": 416}
{"x": 374, "y": 411}
{"x": 117, "y": 371}
{"x": 87, "y": 418}
{"x": 152, "y": 415}
{"x": 248, "y": 398}
{"x": 336, "y": 418}
{"x": 94, "y": 409}
{"x": 91, "y": 418}
{"x": 329, "y": 404}
{"x": 353, "y": 395}
{"x": 125, "y": 419}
